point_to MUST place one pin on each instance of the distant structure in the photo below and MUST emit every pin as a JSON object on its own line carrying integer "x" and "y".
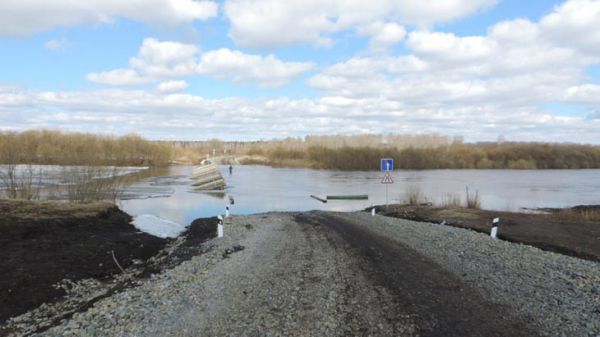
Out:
{"x": 208, "y": 177}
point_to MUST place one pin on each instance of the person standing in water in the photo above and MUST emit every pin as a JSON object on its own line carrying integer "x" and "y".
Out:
{"x": 230, "y": 169}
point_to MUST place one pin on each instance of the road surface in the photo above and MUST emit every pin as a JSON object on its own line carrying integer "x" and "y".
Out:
{"x": 350, "y": 274}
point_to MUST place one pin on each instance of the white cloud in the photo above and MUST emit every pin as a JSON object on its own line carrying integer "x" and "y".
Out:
{"x": 56, "y": 44}
{"x": 171, "y": 86}
{"x": 447, "y": 47}
{"x": 266, "y": 71}
{"x": 158, "y": 60}
{"x": 165, "y": 59}
{"x": 576, "y": 24}
{"x": 585, "y": 93}
{"x": 503, "y": 78}
{"x": 119, "y": 77}
{"x": 517, "y": 64}
{"x": 180, "y": 116}
{"x": 383, "y": 35}
{"x": 26, "y": 17}
{"x": 271, "y": 23}
{"x": 477, "y": 86}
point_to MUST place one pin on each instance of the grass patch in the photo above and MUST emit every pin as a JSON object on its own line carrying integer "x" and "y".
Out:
{"x": 451, "y": 200}
{"x": 414, "y": 195}
{"x": 41, "y": 210}
{"x": 574, "y": 215}
{"x": 473, "y": 200}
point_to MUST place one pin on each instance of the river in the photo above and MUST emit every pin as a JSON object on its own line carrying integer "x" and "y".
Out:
{"x": 257, "y": 189}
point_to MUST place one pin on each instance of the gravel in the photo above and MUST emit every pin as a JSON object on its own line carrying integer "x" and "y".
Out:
{"x": 288, "y": 281}
{"x": 561, "y": 294}
{"x": 291, "y": 281}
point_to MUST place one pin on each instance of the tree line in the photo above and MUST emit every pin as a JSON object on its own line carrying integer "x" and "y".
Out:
{"x": 340, "y": 152}
{"x": 60, "y": 148}
{"x": 452, "y": 156}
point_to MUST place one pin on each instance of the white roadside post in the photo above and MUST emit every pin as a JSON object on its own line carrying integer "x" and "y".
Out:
{"x": 373, "y": 211}
{"x": 220, "y": 227}
{"x": 227, "y": 211}
{"x": 494, "y": 231}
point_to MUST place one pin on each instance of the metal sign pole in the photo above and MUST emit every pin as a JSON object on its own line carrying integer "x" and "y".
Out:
{"x": 386, "y": 197}
{"x": 387, "y": 166}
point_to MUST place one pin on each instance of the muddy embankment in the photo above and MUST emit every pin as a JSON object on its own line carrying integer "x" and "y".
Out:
{"x": 564, "y": 231}
{"x": 47, "y": 247}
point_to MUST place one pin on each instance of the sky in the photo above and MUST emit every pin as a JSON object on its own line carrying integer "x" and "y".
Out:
{"x": 263, "y": 69}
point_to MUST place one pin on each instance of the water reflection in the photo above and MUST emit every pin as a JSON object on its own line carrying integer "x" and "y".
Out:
{"x": 261, "y": 189}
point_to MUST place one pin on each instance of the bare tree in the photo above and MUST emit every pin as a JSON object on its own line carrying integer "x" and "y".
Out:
{"x": 18, "y": 182}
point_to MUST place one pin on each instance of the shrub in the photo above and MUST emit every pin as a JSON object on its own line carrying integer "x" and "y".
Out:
{"x": 473, "y": 201}
{"x": 89, "y": 183}
{"x": 414, "y": 195}
{"x": 17, "y": 182}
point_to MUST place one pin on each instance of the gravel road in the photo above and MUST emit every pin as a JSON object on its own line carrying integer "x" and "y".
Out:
{"x": 350, "y": 274}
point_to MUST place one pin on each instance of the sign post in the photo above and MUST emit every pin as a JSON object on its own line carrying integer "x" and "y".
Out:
{"x": 387, "y": 166}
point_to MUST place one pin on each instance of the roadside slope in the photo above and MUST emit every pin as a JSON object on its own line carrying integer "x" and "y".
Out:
{"x": 350, "y": 274}
{"x": 565, "y": 231}
{"x": 44, "y": 243}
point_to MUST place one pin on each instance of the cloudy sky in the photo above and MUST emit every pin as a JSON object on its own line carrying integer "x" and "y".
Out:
{"x": 259, "y": 69}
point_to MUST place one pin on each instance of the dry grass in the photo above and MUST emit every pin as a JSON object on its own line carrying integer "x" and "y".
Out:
{"x": 591, "y": 215}
{"x": 40, "y": 210}
{"x": 451, "y": 200}
{"x": 473, "y": 200}
{"x": 414, "y": 195}
{"x": 253, "y": 160}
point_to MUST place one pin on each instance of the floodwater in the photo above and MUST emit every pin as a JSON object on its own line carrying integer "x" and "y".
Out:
{"x": 257, "y": 189}
{"x": 48, "y": 175}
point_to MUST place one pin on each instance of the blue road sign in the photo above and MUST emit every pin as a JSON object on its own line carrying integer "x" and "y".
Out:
{"x": 387, "y": 164}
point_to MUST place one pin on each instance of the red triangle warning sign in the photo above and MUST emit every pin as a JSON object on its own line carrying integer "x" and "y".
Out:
{"x": 387, "y": 179}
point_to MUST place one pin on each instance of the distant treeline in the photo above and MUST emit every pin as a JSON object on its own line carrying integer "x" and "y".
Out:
{"x": 360, "y": 152}
{"x": 453, "y": 156}
{"x": 59, "y": 148}
{"x": 194, "y": 151}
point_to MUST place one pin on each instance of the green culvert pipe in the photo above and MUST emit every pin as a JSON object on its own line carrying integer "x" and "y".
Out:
{"x": 348, "y": 197}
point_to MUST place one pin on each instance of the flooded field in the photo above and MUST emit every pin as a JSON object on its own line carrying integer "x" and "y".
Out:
{"x": 262, "y": 189}
{"x": 48, "y": 175}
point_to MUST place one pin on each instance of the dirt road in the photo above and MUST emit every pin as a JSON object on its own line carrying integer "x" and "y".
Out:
{"x": 440, "y": 304}
{"x": 336, "y": 274}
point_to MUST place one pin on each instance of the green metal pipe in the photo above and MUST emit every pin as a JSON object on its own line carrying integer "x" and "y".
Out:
{"x": 348, "y": 197}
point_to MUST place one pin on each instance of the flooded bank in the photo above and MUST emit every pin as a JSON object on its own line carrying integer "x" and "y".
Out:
{"x": 261, "y": 189}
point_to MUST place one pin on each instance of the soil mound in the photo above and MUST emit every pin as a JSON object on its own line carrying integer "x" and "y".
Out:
{"x": 43, "y": 243}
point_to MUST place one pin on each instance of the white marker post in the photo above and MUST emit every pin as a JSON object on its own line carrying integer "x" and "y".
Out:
{"x": 494, "y": 231}
{"x": 227, "y": 211}
{"x": 220, "y": 227}
{"x": 373, "y": 211}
